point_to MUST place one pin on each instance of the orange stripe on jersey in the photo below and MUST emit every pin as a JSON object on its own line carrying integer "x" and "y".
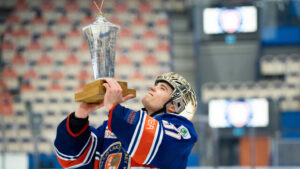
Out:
{"x": 96, "y": 164}
{"x": 70, "y": 163}
{"x": 146, "y": 140}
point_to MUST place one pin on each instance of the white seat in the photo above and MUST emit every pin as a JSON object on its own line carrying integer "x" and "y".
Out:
{"x": 162, "y": 56}
{"x": 12, "y": 83}
{"x": 74, "y": 42}
{"x": 22, "y": 119}
{"x": 125, "y": 42}
{"x": 59, "y": 55}
{"x": 137, "y": 56}
{"x": 33, "y": 55}
{"x": 12, "y": 146}
{"x": 125, "y": 69}
{"x": 27, "y": 145}
{"x": 40, "y": 108}
{"x": 62, "y": 28}
{"x": 51, "y": 15}
{"x": 28, "y": 95}
{"x": 25, "y": 133}
{"x": 48, "y": 41}
{"x": 7, "y": 55}
{"x": 76, "y": 15}
{"x": 22, "y": 41}
{"x": 150, "y": 69}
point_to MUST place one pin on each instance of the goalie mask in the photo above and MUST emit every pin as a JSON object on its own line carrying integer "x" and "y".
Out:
{"x": 183, "y": 96}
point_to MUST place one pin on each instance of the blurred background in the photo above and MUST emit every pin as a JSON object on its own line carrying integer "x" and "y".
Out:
{"x": 241, "y": 56}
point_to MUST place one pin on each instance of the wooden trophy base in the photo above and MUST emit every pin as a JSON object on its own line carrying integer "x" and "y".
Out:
{"x": 93, "y": 92}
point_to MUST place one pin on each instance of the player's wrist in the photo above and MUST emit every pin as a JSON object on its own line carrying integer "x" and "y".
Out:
{"x": 80, "y": 114}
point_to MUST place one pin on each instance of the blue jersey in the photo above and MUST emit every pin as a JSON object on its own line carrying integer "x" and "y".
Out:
{"x": 128, "y": 139}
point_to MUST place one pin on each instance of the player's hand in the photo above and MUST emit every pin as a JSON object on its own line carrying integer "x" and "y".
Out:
{"x": 84, "y": 109}
{"x": 113, "y": 94}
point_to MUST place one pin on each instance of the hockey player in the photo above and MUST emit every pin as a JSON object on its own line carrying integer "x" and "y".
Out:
{"x": 160, "y": 135}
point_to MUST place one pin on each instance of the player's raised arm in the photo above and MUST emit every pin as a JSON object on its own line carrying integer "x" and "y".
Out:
{"x": 75, "y": 142}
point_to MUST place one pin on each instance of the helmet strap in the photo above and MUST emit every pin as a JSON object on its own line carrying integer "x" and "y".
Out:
{"x": 162, "y": 110}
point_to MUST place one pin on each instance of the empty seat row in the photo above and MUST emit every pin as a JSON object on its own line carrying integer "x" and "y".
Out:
{"x": 280, "y": 64}
{"x": 272, "y": 90}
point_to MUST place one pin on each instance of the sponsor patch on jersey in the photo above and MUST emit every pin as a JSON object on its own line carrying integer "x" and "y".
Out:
{"x": 109, "y": 134}
{"x": 184, "y": 132}
{"x": 131, "y": 117}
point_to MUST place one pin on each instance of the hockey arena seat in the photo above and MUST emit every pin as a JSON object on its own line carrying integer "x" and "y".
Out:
{"x": 234, "y": 90}
{"x": 40, "y": 108}
{"x": 25, "y": 15}
{"x": 21, "y": 117}
{"x": 22, "y": 5}
{"x": 51, "y": 15}
{"x": 126, "y": 39}
{"x": 293, "y": 63}
{"x": 263, "y": 89}
{"x": 34, "y": 50}
{"x": 24, "y": 130}
{"x": 137, "y": 52}
{"x": 85, "y": 4}
{"x": 293, "y": 78}
{"x": 150, "y": 66}
{"x": 162, "y": 25}
{"x": 266, "y": 66}
{"x": 63, "y": 25}
{"x": 49, "y": 130}
{"x": 10, "y": 77}
{"x": 26, "y": 145}
{"x": 48, "y": 38}
{"x": 12, "y": 144}
{"x": 19, "y": 63}
{"x": 290, "y": 104}
{"x": 71, "y": 6}
{"x": 162, "y": 52}
{"x": 144, "y": 7}
{"x": 44, "y": 146}
{"x": 74, "y": 38}
{"x": 8, "y": 49}
{"x": 22, "y": 36}
{"x": 150, "y": 39}
{"x": 277, "y": 91}
{"x": 139, "y": 25}
{"x": 83, "y": 53}
{"x": 124, "y": 66}
{"x": 291, "y": 90}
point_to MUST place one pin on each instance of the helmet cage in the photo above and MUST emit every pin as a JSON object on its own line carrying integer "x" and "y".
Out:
{"x": 183, "y": 96}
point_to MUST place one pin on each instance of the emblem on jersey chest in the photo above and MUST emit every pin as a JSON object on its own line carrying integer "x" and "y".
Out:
{"x": 114, "y": 157}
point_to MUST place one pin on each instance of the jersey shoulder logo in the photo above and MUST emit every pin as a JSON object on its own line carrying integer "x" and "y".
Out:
{"x": 184, "y": 132}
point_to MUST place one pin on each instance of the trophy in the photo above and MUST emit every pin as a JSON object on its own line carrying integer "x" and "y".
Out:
{"x": 102, "y": 37}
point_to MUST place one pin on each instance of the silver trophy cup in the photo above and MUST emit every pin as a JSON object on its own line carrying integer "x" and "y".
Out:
{"x": 102, "y": 38}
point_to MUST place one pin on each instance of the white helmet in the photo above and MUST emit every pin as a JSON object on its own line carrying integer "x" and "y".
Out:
{"x": 183, "y": 96}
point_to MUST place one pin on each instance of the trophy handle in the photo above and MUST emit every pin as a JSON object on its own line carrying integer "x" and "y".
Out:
{"x": 94, "y": 92}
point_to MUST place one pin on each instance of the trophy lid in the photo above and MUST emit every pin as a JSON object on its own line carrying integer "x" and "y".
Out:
{"x": 100, "y": 22}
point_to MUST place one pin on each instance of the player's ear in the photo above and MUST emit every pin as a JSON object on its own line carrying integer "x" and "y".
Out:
{"x": 170, "y": 108}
